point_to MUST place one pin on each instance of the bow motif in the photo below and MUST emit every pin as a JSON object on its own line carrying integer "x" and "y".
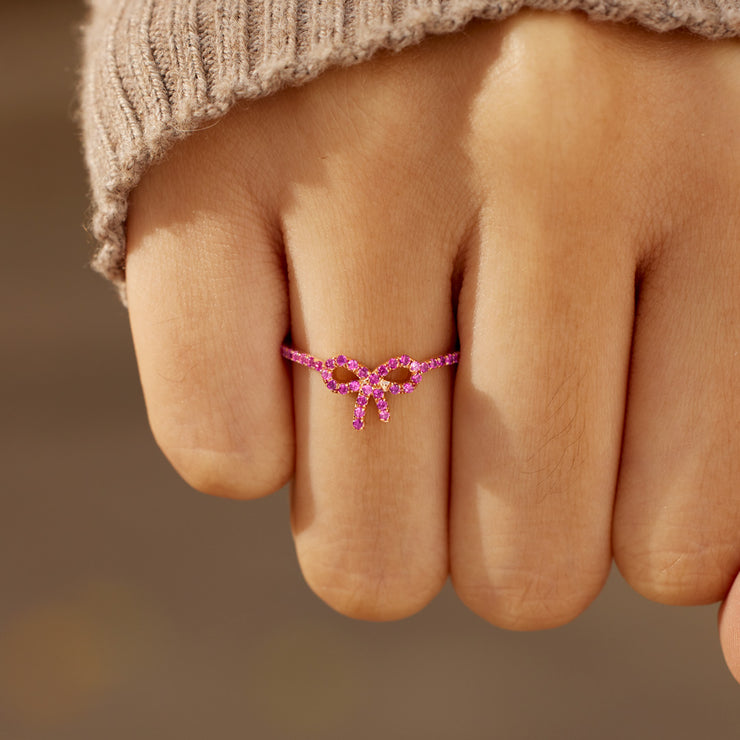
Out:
{"x": 370, "y": 385}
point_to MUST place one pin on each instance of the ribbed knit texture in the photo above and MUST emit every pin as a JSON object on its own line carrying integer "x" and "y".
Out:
{"x": 155, "y": 70}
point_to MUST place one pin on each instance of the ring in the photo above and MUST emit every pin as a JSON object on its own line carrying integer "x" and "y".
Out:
{"x": 370, "y": 385}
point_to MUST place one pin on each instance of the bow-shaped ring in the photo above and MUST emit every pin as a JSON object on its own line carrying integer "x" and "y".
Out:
{"x": 370, "y": 385}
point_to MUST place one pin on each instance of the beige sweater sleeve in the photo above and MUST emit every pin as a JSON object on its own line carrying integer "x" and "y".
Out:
{"x": 154, "y": 70}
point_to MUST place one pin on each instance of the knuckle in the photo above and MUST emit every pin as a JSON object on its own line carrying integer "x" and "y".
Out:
{"x": 554, "y": 95}
{"x": 242, "y": 456}
{"x": 247, "y": 473}
{"x": 688, "y": 575}
{"x": 367, "y": 588}
{"x": 528, "y": 600}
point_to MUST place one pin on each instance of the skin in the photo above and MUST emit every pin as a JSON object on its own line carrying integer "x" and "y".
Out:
{"x": 560, "y": 196}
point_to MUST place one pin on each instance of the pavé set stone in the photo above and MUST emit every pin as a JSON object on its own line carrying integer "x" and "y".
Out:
{"x": 370, "y": 385}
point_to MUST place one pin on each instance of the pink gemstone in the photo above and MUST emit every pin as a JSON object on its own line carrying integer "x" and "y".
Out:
{"x": 358, "y": 423}
{"x": 395, "y": 389}
{"x": 384, "y": 415}
{"x": 414, "y": 366}
{"x": 367, "y": 390}
{"x": 378, "y": 393}
{"x": 341, "y": 360}
{"x": 407, "y": 387}
{"x": 362, "y": 400}
{"x": 342, "y": 388}
{"x": 353, "y": 364}
{"x": 359, "y": 412}
{"x": 383, "y": 371}
{"x": 416, "y": 378}
{"x": 363, "y": 372}
{"x": 382, "y": 405}
{"x": 329, "y": 364}
{"x": 325, "y": 374}
{"x": 424, "y": 367}
{"x": 373, "y": 378}
{"x": 405, "y": 360}
{"x": 354, "y": 386}
{"x": 317, "y": 364}
{"x": 331, "y": 385}
{"x": 393, "y": 363}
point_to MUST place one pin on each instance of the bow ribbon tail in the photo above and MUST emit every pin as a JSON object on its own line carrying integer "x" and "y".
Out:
{"x": 382, "y": 404}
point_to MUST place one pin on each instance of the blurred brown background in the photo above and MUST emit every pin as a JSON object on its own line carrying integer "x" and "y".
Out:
{"x": 133, "y": 607}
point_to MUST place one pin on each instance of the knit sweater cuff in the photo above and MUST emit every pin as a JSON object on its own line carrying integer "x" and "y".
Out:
{"x": 155, "y": 70}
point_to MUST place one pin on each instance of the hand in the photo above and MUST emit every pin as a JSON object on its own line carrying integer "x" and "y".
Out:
{"x": 559, "y": 195}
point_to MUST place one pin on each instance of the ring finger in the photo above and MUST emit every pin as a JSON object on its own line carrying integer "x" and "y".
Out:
{"x": 369, "y": 506}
